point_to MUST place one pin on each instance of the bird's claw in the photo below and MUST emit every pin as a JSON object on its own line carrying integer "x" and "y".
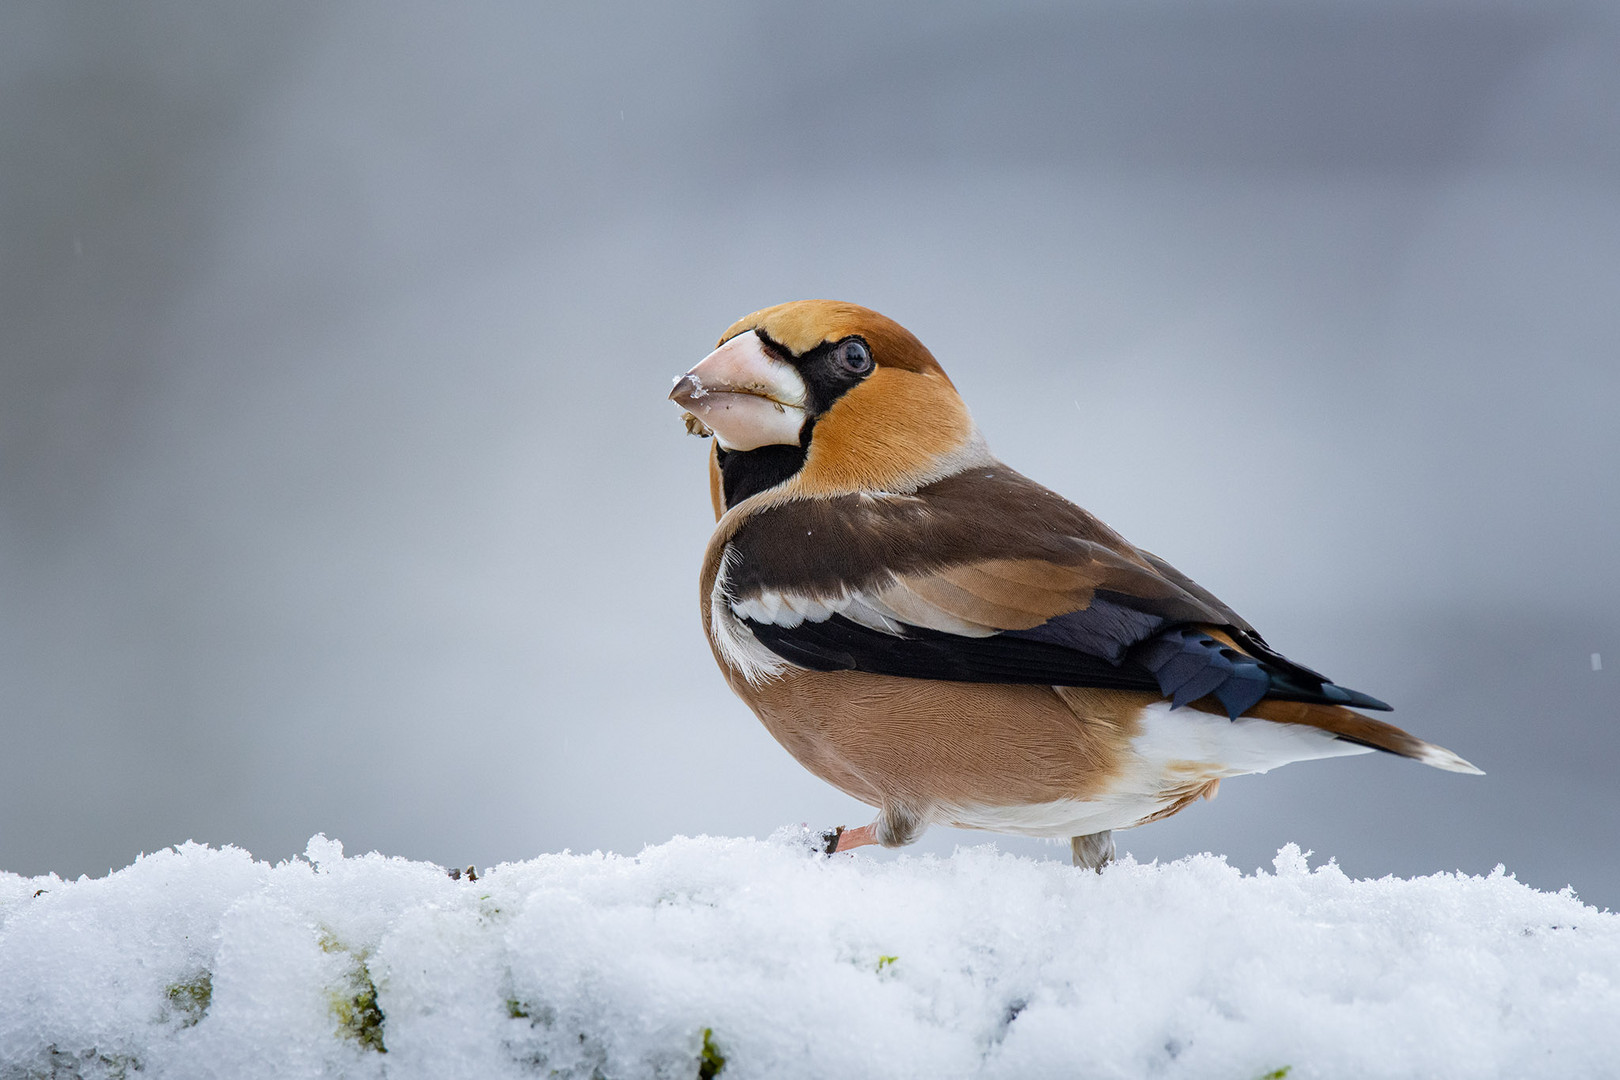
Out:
{"x": 470, "y": 873}
{"x": 816, "y": 843}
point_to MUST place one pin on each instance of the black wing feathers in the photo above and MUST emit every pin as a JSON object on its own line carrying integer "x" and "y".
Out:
{"x": 1106, "y": 628}
{"x": 841, "y": 645}
{"x": 1189, "y": 664}
{"x": 1183, "y": 663}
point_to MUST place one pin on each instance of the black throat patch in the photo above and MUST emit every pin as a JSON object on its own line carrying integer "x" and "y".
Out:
{"x": 749, "y": 472}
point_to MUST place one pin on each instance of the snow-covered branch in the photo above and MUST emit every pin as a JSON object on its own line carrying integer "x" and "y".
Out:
{"x": 745, "y": 958}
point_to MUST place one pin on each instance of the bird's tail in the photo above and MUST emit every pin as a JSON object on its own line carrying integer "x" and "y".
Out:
{"x": 1351, "y": 726}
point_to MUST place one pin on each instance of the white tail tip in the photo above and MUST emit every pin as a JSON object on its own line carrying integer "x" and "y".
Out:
{"x": 1441, "y": 758}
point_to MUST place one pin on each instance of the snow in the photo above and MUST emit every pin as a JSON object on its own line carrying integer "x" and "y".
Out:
{"x": 197, "y": 962}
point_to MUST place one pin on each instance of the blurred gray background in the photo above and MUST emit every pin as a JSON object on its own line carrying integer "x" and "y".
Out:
{"x": 338, "y": 490}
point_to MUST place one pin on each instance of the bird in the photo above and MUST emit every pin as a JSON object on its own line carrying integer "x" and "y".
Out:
{"x": 950, "y": 642}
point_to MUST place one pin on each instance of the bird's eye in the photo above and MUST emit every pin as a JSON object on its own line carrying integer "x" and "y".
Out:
{"x": 853, "y": 356}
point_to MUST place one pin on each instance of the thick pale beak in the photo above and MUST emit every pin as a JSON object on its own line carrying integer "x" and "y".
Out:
{"x": 747, "y": 397}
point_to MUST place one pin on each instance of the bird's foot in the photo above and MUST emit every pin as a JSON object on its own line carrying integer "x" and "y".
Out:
{"x": 470, "y": 873}
{"x": 842, "y": 839}
{"x": 800, "y": 838}
{"x": 1094, "y": 850}
{"x": 804, "y": 838}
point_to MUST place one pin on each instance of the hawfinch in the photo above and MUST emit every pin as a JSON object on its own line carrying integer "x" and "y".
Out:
{"x": 947, "y": 640}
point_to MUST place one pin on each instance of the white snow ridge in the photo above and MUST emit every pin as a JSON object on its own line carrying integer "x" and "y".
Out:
{"x": 740, "y": 958}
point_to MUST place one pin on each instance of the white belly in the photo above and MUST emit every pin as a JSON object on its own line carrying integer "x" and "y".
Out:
{"x": 1176, "y": 752}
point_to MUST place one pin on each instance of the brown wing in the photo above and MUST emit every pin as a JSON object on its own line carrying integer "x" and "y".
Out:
{"x": 987, "y": 576}
{"x": 984, "y": 551}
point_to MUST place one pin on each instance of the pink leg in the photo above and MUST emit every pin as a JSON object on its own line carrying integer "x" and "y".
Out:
{"x": 849, "y": 839}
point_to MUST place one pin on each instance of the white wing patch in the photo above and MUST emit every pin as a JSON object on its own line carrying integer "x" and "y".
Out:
{"x": 892, "y": 607}
{"x": 737, "y": 645}
{"x": 890, "y": 610}
{"x": 873, "y": 614}
{"x": 787, "y": 610}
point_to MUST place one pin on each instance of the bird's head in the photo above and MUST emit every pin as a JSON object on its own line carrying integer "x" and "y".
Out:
{"x": 825, "y": 398}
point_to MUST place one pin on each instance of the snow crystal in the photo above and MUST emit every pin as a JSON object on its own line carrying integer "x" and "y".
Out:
{"x": 743, "y": 958}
